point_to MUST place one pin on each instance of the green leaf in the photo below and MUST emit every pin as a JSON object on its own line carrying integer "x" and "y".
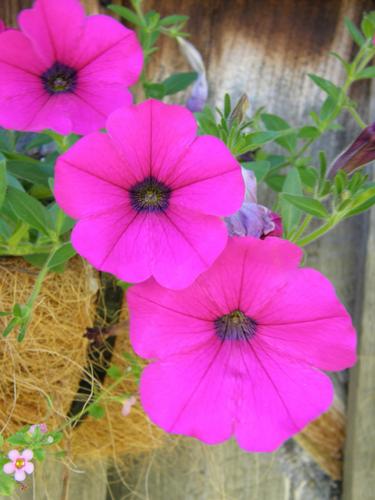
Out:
{"x": 27, "y": 169}
{"x": 62, "y": 222}
{"x": 309, "y": 132}
{"x": 289, "y": 213}
{"x": 309, "y": 176}
{"x": 308, "y": 205}
{"x": 255, "y": 140}
{"x": 368, "y": 72}
{"x": 115, "y": 372}
{"x": 18, "y": 439}
{"x": 7, "y": 483}
{"x": 10, "y": 327}
{"x": 328, "y": 87}
{"x": 62, "y": 255}
{"x": 327, "y": 108}
{"x": 274, "y": 122}
{"x": 178, "y": 81}
{"x": 169, "y": 20}
{"x": 96, "y": 411}
{"x": 354, "y": 32}
{"x": 39, "y": 454}
{"x": 362, "y": 202}
{"x": 367, "y": 26}
{"x": 259, "y": 167}
{"x": 29, "y": 210}
{"x": 154, "y": 90}
{"x": 127, "y": 14}
{"x": 3, "y": 180}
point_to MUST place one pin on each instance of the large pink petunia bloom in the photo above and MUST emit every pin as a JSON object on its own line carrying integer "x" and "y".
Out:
{"x": 149, "y": 195}
{"x": 65, "y": 71}
{"x": 239, "y": 353}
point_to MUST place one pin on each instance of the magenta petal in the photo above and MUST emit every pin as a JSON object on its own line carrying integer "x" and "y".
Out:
{"x": 84, "y": 188}
{"x": 168, "y": 333}
{"x": 46, "y": 26}
{"x": 277, "y": 399}
{"x": 152, "y": 136}
{"x": 191, "y": 395}
{"x": 107, "y": 52}
{"x": 307, "y": 321}
{"x": 185, "y": 244}
{"x": 208, "y": 167}
{"x": 116, "y": 242}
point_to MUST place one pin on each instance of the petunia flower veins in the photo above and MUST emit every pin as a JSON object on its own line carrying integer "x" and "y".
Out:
{"x": 239, "y": 352}
{"x": 150, "y": 195}
{"x": 65, "y": 71}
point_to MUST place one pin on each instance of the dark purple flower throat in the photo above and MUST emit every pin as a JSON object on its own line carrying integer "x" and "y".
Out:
{"x": 59, "y": 79}
{"x": 150, "y": 195}
{"x": 235, "y": 326}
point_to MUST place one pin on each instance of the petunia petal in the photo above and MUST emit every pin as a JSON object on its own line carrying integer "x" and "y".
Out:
{"x": 108, "y": 51}
{"x": 185, "y": 243}
{"x": 276, "y": 398}
{"x": 207, "y": 168}
{"x": 307, "y": 321}
{"x": 165, "y": 322}
{"x": 153, "y": 136}
{"x": 85, "y": 188}
{"x": 46, "y": 26}
{"x": 190, "y": 394}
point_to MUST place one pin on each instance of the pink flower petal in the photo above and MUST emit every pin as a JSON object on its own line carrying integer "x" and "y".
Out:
{"x": 9, "y": 468}
{"x": 117, "y": 56}
{"x": 46, "y": 26}
{"x": 85, "y": 189}
{"x": 19, "y": 475}
{"x": 308, "y": 321}
{"x": 27, "y": 454}
{"x": 185, "y": 244}
{"x": 153, "y": 136}
{"x": 116, "y": 242}
{"x": 277, "y": 398}
{"x": 14, "y": 455}
{"x": 28, "y": 468}
{"x": 190, "y": 394}
{"x": 208, "y": 168}
{"x": 166, "y": 334}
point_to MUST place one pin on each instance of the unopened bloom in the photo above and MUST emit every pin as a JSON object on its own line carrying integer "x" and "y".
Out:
{"x": 253, "y": 219}
{"x": 357, "y": 154}
{"x": 239, "y": 352}
{"x": 199, "y": 91}
{"x": 20, "y": 464}
{"x": 127, "y": 406}
{"x": 150, "y": 195}
{"x": 65, "y": 71}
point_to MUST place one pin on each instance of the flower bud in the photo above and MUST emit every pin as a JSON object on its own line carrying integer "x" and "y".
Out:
{"x": 199, "y": 91}
{"x": 357, "y": 154}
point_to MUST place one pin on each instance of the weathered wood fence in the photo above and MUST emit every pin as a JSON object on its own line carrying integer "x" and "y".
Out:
{"x": 265, "y": 48}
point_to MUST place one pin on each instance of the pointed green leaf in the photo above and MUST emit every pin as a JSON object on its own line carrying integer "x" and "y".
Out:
{"x": 308, "y": 205}
{"x": 127, "y": 14}
{"x": 354, "y": 32}
{"x": 327, "y": 86}
{"x": 289, "y": 213}
{"x": 177, "y": 82}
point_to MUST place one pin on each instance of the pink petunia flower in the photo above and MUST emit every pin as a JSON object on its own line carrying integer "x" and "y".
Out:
{"x": 20, "y": 464}
{"x": 149, "y": 195}
{"x": 239, "y": 353}
{"x": 65, "y": 71}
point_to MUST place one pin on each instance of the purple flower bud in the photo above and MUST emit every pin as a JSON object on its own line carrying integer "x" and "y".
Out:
{"x": 357, "y": 154}
{"x": 199, "y": 91}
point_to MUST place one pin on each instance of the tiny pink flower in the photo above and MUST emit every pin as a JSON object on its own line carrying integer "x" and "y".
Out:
{"x": 42, "y": 427}
{"x": 20, "y": 464}
{"x": 127, "y": 406}
{"x": 65, "y": 71}
{"x": 150, "y": 195}
{"x": 239, "y": 352}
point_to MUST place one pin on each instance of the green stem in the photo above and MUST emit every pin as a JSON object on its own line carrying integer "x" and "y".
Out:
{"x": 298, "y": 233}
{"x": 356, "y": 117}
{"x": 320, "y": 231}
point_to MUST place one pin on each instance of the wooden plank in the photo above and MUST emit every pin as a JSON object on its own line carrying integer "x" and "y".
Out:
{"x": 359, "y": 477}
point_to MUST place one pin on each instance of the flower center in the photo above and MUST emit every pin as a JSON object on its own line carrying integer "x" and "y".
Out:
{"x": 235, "y": 326}
{"x": 59, "y": 79}
{"x": 19, "y": 463}
{"x": 150, "y": 195}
